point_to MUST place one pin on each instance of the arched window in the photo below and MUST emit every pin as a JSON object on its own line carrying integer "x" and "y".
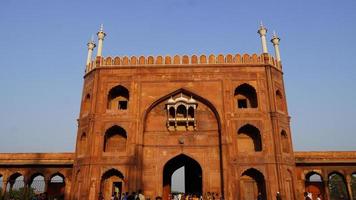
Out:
{"x": 181, "y": 111}
{"x": 118, "y": 98}
{"x": 249, "y": 139}
{"x": 87, "y": 103}
{"x": 252, "y": 183}
{"x": 353, "y": 184}
{"x": 191, "y": 112}
{"x": 280, "y": 101}
{"x": 314, "y": 184}
{"x": 82, "y": 144}
{"x": 16, "y": 184}
{"x": 115, "y": 139}
{"x": 37, "y": 183}
{"x": 56, "y": 186}
{"x": 246, "y": 96}
{"x": 172, "y": 112}
{"x": 337, "y": 187}
{"x": 285, "y": 142}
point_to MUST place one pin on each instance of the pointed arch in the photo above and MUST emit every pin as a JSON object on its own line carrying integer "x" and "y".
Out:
{"x": 193, "y": 174}
{"x": 82, "y": 144}
{"x": 56, "y": 186}
{"x": 209, "y": 105}
{"x": 111, "y": 181}
{"x": 16, "y": 182}
{"x": 115, "y": 139}
{"x": 353, "y": 184}
{"x": 285, "y": 142}
{"x": 246, "y": 96}
{"x": 249, "y": 139}
{"x": 314, "y": 184}
{"x": 188, "y": 93}
{"x": 337, "y": 186}
{"x": 252, "y": 184}
{"x": 37, "y": 182}
{"x": 118, "y": 98}
{"x": 280, "y": 101}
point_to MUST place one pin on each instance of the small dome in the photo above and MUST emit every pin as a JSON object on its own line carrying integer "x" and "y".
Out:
{"x": 191, "y": 100}
{"x": 171, "y": 100}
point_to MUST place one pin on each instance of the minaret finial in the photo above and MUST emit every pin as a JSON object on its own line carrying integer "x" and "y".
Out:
{"x": 91, "y": 45}
{"x": 263, "y": 31}
{"x": 101, "y": 35}
{"x": 275, "y": 41}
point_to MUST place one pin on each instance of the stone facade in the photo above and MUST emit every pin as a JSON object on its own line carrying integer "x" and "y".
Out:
{"x": 224, "y": 118}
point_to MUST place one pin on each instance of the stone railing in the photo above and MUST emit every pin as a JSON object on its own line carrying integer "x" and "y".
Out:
{"x": 183, "y": 60}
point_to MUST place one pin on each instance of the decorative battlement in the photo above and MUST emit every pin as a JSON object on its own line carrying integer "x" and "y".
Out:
{"x": 183, "y": 60}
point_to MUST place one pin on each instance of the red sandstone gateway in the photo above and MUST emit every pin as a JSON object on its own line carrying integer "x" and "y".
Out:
{"x": 223, "y": 117}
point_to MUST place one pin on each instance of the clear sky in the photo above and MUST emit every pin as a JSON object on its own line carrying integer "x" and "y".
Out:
{"x": 43, "y": 53}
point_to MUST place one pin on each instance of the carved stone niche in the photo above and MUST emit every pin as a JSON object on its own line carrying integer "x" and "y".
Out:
{"x": 181, "y": 113}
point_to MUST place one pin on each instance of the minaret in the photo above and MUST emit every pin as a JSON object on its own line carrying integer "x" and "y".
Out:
{"x": 91, "y": 45}
{"x": 263, "y": 31}
{"x": 101, "y": 35}
{"x": 275, "y": 41}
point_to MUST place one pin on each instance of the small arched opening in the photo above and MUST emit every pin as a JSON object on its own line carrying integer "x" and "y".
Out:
{"x": 280, "y": 101}
{"x": 172, "y": 113}
{"x": 118, "y": 98}
{"x": 338, "y": 187}
{"x": 86, "y": 103}
{"x": 252, "y": 185}
{"x": 249, "y": 139}
{"x": 82, "y": 144}
{"x": 37, "y": 183}
{"x": 115, "y": 139}
{"x": 192, "y": 175}
{"x": 1, "y": 189}
{"x": 285, "y": 142}
{"x": 15, "y": 187}
{"x": 353, "y": 184}
{"x": 181, "y": 111}
{"x": 111, "y": 184}
{"x": 56, "y": 186}
{"x": 314, "y": 184}
{"x": 191, "y": 112}
{"x": 246, "y": 96}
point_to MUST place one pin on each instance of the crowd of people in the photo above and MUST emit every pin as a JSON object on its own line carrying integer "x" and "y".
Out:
{"x": 206, "y": 196}
{"x": 174, "y": 196}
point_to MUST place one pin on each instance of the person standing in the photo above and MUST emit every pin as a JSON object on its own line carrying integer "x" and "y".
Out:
{"x": 140, "y": 195}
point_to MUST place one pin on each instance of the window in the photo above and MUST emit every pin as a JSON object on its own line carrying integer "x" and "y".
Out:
{"x": 115, "y": 139}
{"x": 122, "y": 105}
{"x": 181, "y": 113}
{"x": 249, "y": 139}
{"x": 242, "y": 103}
{"x": 246, "y": 96}
{"x": 118, "y": 98}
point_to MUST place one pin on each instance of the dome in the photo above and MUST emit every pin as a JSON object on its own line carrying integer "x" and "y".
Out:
{"x": 191, "y": 100}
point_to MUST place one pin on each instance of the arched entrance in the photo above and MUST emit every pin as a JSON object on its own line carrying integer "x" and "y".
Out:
{"x": 192, "y": 175}
{"x": 314, "y": 184}
{"x": 111, "y": 184}
{"x": 252, "y": 184}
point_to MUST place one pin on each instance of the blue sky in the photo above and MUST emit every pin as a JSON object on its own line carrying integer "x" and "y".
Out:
{"x": 43, "y": 52}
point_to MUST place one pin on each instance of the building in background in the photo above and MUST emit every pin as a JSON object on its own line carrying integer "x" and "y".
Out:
{"x": 223, "y": 117}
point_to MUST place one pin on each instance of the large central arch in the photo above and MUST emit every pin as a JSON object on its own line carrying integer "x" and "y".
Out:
{"x": 152, "y": 110}
{"x": 193, "y": 175}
